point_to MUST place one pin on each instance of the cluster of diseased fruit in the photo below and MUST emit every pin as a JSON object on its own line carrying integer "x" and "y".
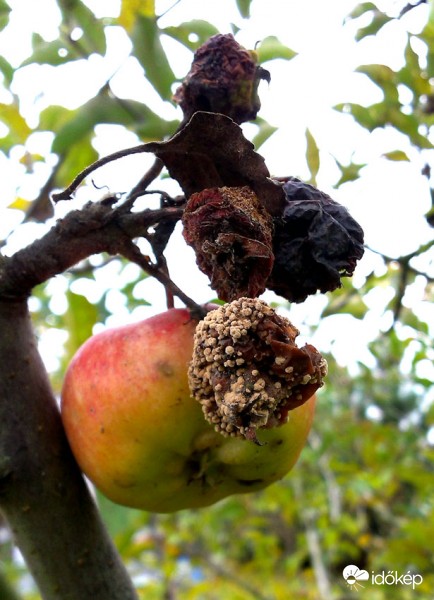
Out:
{"x": 134, "y": 399}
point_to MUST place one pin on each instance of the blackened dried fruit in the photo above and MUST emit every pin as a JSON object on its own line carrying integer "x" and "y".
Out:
{"x": 231, "y": 234}
{"x": 316, "y": 242}
{"x": 223, "y": 78}
{"x": 247, "y": 371}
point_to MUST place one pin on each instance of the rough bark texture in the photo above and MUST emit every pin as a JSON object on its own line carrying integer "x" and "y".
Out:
{"x": 42, "y": 493}
{"x": 96, "y": 228}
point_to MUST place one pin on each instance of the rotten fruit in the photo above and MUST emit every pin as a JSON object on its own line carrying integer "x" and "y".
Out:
{"x": 141, "y": 437}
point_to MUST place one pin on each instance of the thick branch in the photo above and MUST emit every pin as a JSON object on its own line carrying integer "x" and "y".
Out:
{"x": 96, "y": 228}
{"x": 42, "y": 493}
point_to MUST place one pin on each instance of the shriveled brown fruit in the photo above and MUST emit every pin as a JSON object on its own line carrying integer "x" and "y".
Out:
{"x": 247, "y": 371}
{"x": 223, "y": 78}
{"x": 231, "y": 233}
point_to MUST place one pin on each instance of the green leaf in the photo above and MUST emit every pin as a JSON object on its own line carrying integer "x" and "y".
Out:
{"x": 76, "y": 14}
{"x": 191, "y": 34}
{"x": 409, "y": 318}
{"x": 106, "y": 109}
{"x": 60, "y": 51}
{"x": 361, "y": 9}
{"x": 265, "y": 131}
{"x": 151, "y": 55}
{"x": 396, "y": 155}
{"x": 116, "y": 517}
{"x": 93, "y": 39}
{"x": 5, "y": 10}
{"x": 77, "y": 157}
{"x": 75, "y": 129}
{"x": 54, "y": 117}
{"x": 312, "y": 156}
{"x": 379, "y": 20}
{"x": 345, "y": 300}
{"x": 19, "y": 130}
{"x": 384, "y": 77}
{"x": 427, "y": 35}
{"x": 412, "y": 75}
{"x": 244, "y": 8}
{"x": 362, "y": 114}
{"x": 409, "y": 125}
{"x": 386, "y": 113}
{"x": 349, "y": 172}
{"x": 80, "y": 318}
{"x": 271, "y": 48}
{"x": 7, "y": 70}
{"x": 49, "y": 53}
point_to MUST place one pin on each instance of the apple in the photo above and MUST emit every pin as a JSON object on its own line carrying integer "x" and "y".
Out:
{"x": 141, "y": 438}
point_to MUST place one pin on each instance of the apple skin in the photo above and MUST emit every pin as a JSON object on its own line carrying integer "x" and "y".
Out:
{"x": 140, "y": 437}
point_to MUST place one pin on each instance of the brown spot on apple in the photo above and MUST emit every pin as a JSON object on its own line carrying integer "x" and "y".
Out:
{"x": 165, "y": 368}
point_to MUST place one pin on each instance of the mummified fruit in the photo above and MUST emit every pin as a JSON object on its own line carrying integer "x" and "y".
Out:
{"x": 142, "y": 439}
{"x": 247, "y": 371}
{"x": 231, "y": 234}
{"x": 223, "y": 78}
{"x": 315, "y": 243}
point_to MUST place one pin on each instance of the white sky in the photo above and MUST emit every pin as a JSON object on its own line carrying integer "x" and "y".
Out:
{"x": 389, "y": 200}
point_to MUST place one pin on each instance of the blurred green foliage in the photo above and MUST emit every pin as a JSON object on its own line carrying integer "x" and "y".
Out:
{"x": 362, "y": 492}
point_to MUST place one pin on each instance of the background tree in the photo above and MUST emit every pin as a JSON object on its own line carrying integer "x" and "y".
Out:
{"x": 361, "y": 491}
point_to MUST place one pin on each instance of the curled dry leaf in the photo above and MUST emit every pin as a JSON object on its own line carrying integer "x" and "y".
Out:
{"x": 231, "y": 233}
{"x": 247, "y": 371}
{"x": 211, "y": 151}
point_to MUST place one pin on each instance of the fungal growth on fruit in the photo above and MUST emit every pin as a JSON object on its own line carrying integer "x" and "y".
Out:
{"x": 231, "y": 233}
{"x": 247, "y": 371}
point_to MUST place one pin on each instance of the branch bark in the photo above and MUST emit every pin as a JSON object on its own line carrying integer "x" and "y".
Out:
{"x": 43, "y": 495}
{"x": 42, "y": 492}
{"x": 94, "y": 229}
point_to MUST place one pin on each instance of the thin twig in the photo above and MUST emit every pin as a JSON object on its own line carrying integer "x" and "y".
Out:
{"x": 148, "y": 177}
{"x": 405, "y": 260}
{"x": 162, "y": 266}
{"x": 168, "y": 9}
{"x": 132, "y": 252}
{"x": 66, "y": 194}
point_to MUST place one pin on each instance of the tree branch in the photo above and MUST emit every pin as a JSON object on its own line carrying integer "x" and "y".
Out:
{"x": 94, "y": 229}
{"x": 66, "y": 194}
{"x": 42, "y": 493}
{"x": 308, "y": 519}
{"x": 132, "y": 253}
